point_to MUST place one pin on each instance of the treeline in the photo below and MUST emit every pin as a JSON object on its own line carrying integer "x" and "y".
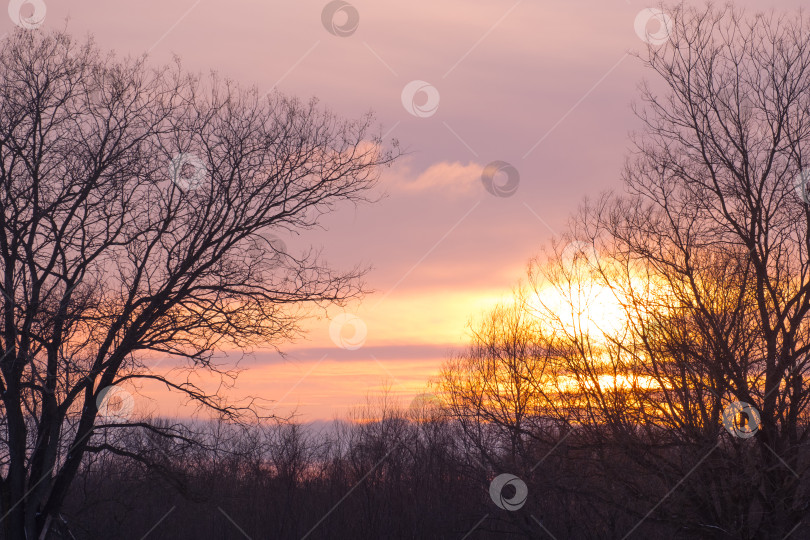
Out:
{"x": 392, "y": 472}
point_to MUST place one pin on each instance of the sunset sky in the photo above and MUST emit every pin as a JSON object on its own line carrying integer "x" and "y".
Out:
{"x": 545, "y": 86}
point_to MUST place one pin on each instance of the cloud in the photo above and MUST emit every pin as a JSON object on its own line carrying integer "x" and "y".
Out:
{"x": 451, "y": 179}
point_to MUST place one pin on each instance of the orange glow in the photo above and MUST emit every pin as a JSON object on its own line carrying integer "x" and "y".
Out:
{"x": 328, "y": 385}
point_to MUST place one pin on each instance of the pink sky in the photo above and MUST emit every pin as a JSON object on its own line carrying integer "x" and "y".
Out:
{"x": 545, "y": 86}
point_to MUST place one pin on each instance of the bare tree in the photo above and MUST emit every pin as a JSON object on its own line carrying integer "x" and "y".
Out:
{"x": 668, "y": 330}
{"x": 707, "y": 255}
{"x": 499, "y": 387}
{"x": 138, "y": 207}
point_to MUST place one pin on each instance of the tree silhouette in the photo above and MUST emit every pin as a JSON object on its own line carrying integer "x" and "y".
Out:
{"x": 676, "y": 314}
{"x": 138, "y": 207}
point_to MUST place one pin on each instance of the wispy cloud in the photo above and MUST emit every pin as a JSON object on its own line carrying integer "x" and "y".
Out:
{"x": 451, "y": 179}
